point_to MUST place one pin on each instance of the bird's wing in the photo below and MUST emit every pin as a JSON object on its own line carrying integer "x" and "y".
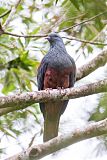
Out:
{"x": 72, "y": 76}
{"x": 40, "y": 79}
{"x": 40, "y": 76}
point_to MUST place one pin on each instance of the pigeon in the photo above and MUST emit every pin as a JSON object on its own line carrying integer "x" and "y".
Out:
{"x": 56, "y": 70}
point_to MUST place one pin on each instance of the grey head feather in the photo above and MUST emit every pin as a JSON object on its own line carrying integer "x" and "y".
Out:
{"x": 54, "y": 38}
{"x": 57, "y": 56}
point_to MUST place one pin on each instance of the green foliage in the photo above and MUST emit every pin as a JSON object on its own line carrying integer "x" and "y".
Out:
{"x": 100, "y": 112}
{"x": 19, "y": 56}
{"x": 56, "y": 1}
{"x": 8, "y": 83}
{"x": 20, "y": 118}
{"x": 81, "y": 10}
{"x": 77, "y": 3}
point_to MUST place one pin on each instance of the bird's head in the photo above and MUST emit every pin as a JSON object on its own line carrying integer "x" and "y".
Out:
{"x": 54, "y": 38}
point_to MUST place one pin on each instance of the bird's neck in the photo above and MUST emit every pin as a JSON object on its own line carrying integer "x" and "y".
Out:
{"x": 58, "y": 45}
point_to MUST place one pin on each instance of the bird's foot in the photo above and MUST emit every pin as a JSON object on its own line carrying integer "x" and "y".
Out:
{"x": 48, "y": 90}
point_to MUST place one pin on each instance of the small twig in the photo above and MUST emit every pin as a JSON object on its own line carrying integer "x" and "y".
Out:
{"x": 85, "y": 41}
{"x": 26, "y": 36}
{"x": 39, "y": 151}
{"x": 78, "y": 57}
{"x": 6, "y": 13}
{"x": 31, "y": 112}
{"x": 32, "y": 140}
{"x": 99, "y": 35}
{"x": 13, "y": 10}
{"x": 62, "y": 19}
{"x": 76, "y": 17}
{"x": 1, "y": 30}
{"x": 85, "y": 21}
{"x": 44, "y": 35}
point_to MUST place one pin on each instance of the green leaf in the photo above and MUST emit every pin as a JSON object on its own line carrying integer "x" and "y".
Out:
{"x": 100, "y": 112}
{"x": 5, "y": 46}
{"x": 7, "y": 132}
{"x": 28, "y": 84}
{"x": 75, "y": 3}
{"x": 20, "y": 42}
{"x": 16, "y": 73}
{"x": 90, "y": 49}
{"x": 24, "y": 55}
{"x": 2, "y": 10}
{"x": 8, "y": 88}
{"x": 17, "y": 132}
{"x": 56, "y": 2}
{"x": 9, "y": 84}
{"x": 36, "y": 30}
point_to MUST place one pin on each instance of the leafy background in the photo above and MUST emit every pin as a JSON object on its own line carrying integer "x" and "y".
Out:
{"x": 20, "y": 57}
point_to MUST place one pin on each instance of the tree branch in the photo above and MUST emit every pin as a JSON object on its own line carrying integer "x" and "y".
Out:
{"x": 26, "y": 36}
{"x": 13, "y": 10}
{"x": 1, "y": 30}
{"x": 4, "y": 14}
{"x": 85, "y": 41}
{"x": 44, "y": 35}
{"x": 41, "y": 150}
{"x": 85, "y": 21}
{"x": 9, "y": 102}
{"x": 86, "y": 69}
{"x": 16, "y": 102}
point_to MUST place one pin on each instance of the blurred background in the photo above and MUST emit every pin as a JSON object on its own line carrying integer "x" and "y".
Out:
{"x": 20, "y": 58}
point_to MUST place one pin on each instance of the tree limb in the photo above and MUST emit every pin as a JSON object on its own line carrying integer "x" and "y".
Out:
{"x": 83, "y": 71}
{"x": 4, "y": 14}
{"x": 86, "y": 69}
{"x": 16, "y": 102}
{"x": 83, "y": 22}
{"x": 44, "y": 35}
{"x": 26, "y": 36}
{"x": 41, "y": 150}
{"x": 85, "y": 41}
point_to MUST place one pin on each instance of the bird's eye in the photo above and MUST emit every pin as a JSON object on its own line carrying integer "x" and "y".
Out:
{"x": 55, "y": 36}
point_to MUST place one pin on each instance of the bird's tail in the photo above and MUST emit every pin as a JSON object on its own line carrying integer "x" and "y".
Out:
{"x": 50, "y": 129}
{"x": 51, "y": 121}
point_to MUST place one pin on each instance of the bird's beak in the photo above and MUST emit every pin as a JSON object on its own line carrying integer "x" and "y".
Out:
{"x": 48, "y": 38}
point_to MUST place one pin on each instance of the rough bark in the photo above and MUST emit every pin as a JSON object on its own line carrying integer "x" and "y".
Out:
{"x": 83, "y": 71}
{"x": 41, "y": 150}
{"x": 20, "y": 101}
{"x": 99, "y": 61}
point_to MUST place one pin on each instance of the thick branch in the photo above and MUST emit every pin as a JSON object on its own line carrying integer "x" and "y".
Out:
{"x": 83, "y": 71}
{"x": 39, "y": 151}
{"x": 91, "y": 66}
{"x": 24, "y": 100}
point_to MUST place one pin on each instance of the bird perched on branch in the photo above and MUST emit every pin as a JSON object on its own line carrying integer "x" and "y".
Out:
{"x": 57, "y": 70}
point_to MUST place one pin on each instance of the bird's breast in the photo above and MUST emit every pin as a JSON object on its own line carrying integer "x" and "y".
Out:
{"x": 55, "y": 78}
